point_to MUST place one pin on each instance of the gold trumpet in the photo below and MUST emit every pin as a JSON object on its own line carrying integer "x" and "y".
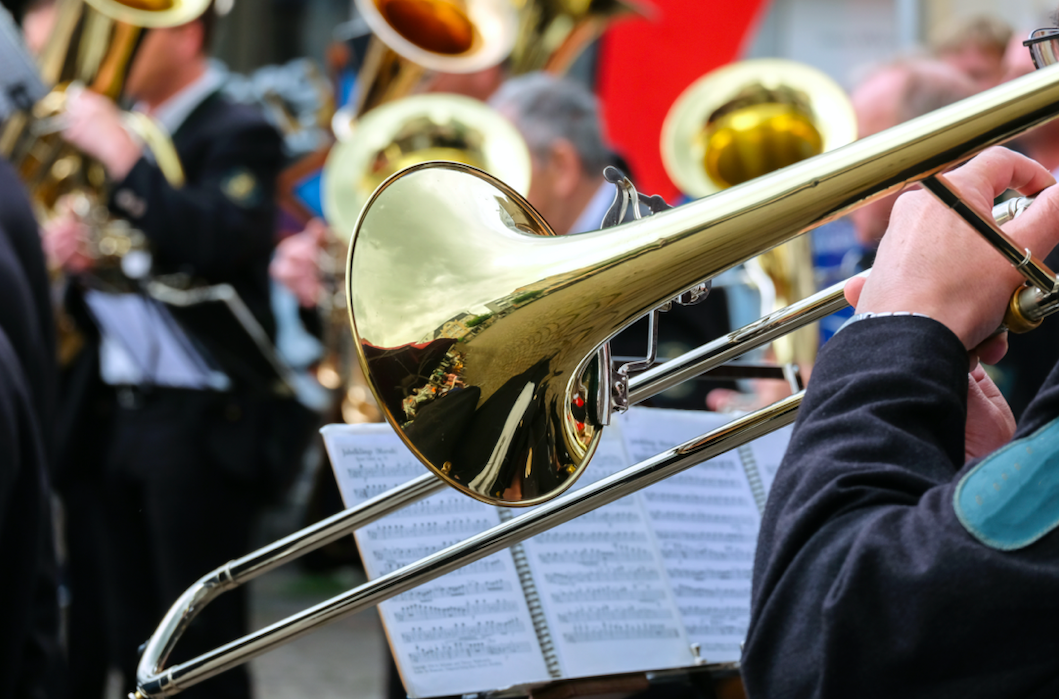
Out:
{"x": 443, "y": 244}
{"x": 746, "y": 120}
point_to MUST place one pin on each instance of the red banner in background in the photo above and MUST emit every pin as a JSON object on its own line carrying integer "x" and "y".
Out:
{"x": 644, "y": 65}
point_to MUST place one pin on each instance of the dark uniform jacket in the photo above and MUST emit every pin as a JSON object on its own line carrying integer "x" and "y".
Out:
{"x": 885, "y": 566}
{"x": 218, "y": 228}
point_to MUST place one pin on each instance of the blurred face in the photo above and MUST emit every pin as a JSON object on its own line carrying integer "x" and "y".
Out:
{"x": 37, "y": 25}
{"x": 154, "y": 64}
{"x": 875, "y": 103}
{"x": 982, "y": 65}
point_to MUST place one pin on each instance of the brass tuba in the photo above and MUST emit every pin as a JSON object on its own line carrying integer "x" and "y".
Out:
{"x": 92, "y": 43}
{"x": 746, "y": 120}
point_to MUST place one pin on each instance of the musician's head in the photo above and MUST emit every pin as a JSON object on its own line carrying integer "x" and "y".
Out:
{"x": 170, "y": 58}
{"x": 560, "y": 120}
{"x": 975, "y": 46}
{"x": 889, "y": 96}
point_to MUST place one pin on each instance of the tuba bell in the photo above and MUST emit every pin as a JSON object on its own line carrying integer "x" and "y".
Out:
{"x": 746, "y": 120}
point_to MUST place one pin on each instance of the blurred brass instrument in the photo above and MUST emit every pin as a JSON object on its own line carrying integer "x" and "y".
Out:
{"x": 553, "y": 33}
{"x": 92, "y": 44}
{"x": 388, "y": 139}
{"x": 442, "y": 245}
{"x": 412, "y": 37}
{"x": 746, "y": 120}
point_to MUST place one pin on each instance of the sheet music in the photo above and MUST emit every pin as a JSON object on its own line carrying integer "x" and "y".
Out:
{"x": 601, "y": 585}
{"x": 768, "y": 452}
{"x": 706, "y": 522}
{"x": 467, "y": 631}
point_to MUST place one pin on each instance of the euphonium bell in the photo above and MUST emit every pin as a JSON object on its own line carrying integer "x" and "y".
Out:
{"x": 414, "y": 130}
{"x": 746, "y": 120}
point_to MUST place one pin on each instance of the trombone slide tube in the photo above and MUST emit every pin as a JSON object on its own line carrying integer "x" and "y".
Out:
{"x": 153, "y": 684}
{"x": 727, "y": 347}
{"x": 242, "y": 570}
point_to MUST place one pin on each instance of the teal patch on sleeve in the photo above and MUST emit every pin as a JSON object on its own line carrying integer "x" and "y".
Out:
{"x": 1011, "y": 498}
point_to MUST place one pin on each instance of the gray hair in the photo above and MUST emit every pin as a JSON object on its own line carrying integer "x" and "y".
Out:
{"x": 546, "y": 108}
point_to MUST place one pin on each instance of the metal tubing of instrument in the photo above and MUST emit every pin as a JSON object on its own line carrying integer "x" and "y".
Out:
{"x": 242, "y": 570}
{"x": 552, "y": 514}
{"x": 1022, "y": 259}
{"x": 728, "y": 347}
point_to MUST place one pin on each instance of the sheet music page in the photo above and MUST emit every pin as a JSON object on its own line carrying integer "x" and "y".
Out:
{"x": 706, "y": 522}
{"x": 602, "y": 587}
{"x": 467, "y": 631}
{"x": 768, "y": 453}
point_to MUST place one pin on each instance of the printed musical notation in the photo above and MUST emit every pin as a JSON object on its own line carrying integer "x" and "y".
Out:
{"x": 463, "y": 527}
{"x": 448, "y": 652}
{"x": 729, "y": 554}
{"x": 618, "y": 574}
{"x": 474, "y": 618}
{"x": 609, "y": 593}
{"x": 617, "y": 554}
{"x": 730, "y": 537}
{"x": 428, "y": 592}
{"x": 423, "y": 612}
{"x": 706, "y": 522}
{"x": 482, "y": 629}
{"x": 621, "y": 632}
{"x": 671, "y": 564}
{"x": 609, "y": 613}
{"x": 734, "y": 593}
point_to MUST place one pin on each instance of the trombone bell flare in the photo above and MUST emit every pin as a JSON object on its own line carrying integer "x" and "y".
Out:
{"x": 475, "y": 328}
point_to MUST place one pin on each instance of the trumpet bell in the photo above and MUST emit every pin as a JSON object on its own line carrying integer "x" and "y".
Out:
{"x": 749, "y": 119}
{"x": 417, "y": 129}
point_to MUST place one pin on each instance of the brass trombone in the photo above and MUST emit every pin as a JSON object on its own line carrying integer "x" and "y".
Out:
{"x": 582, "y": 293}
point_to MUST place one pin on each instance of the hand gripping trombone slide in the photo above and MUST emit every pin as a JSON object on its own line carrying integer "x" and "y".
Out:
{"x": 673, "y": 251}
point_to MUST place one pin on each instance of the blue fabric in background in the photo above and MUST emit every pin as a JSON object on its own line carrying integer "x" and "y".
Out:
{"x": 836, "y": 255}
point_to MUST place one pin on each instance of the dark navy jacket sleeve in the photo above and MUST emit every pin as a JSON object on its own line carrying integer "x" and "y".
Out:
{"x": 223, "y": 218}
{"x": 866, "y": 584}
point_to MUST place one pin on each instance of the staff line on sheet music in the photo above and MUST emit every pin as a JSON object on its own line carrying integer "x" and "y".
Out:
{"x": 609, "y": 593}
{"x": 461, "y": 631}
{"x": 582, "y": 633}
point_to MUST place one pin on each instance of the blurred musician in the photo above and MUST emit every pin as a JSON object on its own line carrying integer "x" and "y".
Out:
{"x": 889, "y": 96}
{"x": 908, "y": 547}
{"x": 974, "y": 46}
{"x": 30, "y": 653}
{"x": 183, "y": 437}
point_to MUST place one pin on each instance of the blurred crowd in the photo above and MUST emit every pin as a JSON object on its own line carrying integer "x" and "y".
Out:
{"x": 162, "y": 429}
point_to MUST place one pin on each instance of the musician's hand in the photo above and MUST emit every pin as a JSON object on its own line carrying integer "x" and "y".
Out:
{"x": 296, "y": 264}
{"x": 64, "y": 241}
{"x": 990, "y": 423}
{"x": 95, "y": 127}
{"x": 931, "y": 262}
